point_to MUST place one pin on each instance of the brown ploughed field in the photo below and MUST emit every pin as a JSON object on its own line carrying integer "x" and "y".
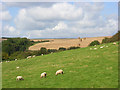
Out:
{"x": 66, "y": 43}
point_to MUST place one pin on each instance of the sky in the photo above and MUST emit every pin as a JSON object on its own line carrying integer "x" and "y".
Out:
{"x": 59, "y": 20}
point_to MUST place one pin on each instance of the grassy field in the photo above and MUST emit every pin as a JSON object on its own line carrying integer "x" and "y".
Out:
{"x": 83, "y": 68}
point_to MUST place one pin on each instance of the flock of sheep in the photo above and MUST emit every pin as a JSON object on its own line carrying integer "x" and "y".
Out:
{"x": 102, "y": 46}
{"x": 44, "y": 74}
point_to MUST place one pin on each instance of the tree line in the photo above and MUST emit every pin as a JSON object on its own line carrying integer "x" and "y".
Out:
{"x": 17, "y": 48}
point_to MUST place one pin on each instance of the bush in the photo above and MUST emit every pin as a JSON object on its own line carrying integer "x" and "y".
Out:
{"x": 4, "y": 56}
{"x": 20, "y": 55}
{"x": 43, "y": 50}
{"x": 52, "y": 50}
{"x": 114, "y": 38}
{"x": 62, "y": 48}
{"x": 94, "y": 43}
{"x": 73, "y": 47}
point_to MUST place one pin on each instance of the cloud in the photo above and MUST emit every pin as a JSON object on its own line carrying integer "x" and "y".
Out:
{"x": 5, "y": 15}
{"x": 9, "y": 28}
{"x": 60, "y": 26}
{"x": 28, "y": 4}
{"x": 41, "y": 18}
{"x": 64, "y": 20}
{"x": 10, "y": 31}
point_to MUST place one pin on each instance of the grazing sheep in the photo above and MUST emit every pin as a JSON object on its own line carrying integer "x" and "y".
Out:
{"x": 29, "y": 57}
{"x": 59, "y": 72}
{"x": 106, "y": 46}
{"x": 42, "y": 54}
{"x": 95, "y": 48}
{"x": 101, "y": 47}
{"x": 19, "y": 78}
{"x": 15, "y": 59}
{"x": 44, "y": 74}
{"x": 90, "y": 48}
{"x": 7, "y": 61}
{"x": 17, "y": 67}
{"x": 33, "y": 56}
{"x": 114, "y": 43}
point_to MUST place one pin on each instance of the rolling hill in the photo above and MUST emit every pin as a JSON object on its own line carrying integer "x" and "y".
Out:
{"x": 83, "y": 68}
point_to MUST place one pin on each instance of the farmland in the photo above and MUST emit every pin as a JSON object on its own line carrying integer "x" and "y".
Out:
{"x": 66, "y": 43}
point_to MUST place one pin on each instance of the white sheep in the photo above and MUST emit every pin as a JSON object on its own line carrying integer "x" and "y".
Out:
{"x": 106, "y": 46}
{"x": 15, "y": 59}
{"x": 42, "y": 54}
{"x": 90, "y": 48}
{"x": 7, "y": 61}
{"x": 29, "y": 57}
{"x": 95, "y": 48}
{"x": 114, "y": 43}
{"x": 44, "y": 74}
{"x": 19, "y": 78}
{"x": 59, "y": 72}
{"x": 17, "y": 67}
{"x": 101, "y": 47}
{"x": 33, "y": 56}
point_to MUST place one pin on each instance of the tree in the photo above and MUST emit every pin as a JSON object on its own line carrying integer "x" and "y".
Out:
{"x": 94, "y": 43}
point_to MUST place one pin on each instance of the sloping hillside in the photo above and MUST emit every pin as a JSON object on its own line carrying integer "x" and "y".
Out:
{"x": 83, "y": 68}
{"x": 114, "y": 38}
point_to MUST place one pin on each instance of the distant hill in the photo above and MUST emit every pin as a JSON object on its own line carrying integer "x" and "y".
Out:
{"x": 9, "y": 37}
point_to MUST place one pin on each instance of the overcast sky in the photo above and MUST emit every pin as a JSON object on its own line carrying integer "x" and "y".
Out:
{"x": 59, "y": 20}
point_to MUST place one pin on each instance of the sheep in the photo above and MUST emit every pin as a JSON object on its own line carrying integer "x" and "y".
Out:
{"x": 101, "y": 47}
{"x": 106, "y": 46}
{"x": 44, "y": 74}
{"x": 17, "y": 67}
{"x": 7, "y": 61}
{"x": 59, "y": 72}
{"x": 42, "y": 54}
{"x": 90, "y": 48}
{"x": 95, "y": 48}
{"x": 33, "y": 56}
{"x": 15, "y": 59}
{"x": 28, "y": 57}
{"x": 19, "y": 78}
{"x": 114, "y": 43}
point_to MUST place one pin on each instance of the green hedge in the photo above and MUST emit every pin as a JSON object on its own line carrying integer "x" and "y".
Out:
{"x": 94, "y": 43}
